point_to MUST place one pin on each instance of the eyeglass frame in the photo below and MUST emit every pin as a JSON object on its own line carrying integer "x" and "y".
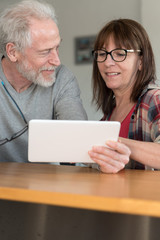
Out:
{"x": 19, "y": 133}
{"x": 110, "y": 53}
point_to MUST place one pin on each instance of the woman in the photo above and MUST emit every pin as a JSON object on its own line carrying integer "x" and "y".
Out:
{"x": 124, "y": 89}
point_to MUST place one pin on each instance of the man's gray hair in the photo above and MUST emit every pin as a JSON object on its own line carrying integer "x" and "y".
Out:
{"x": 15, "y": 22}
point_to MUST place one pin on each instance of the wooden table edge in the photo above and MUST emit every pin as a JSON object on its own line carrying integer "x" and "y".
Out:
{"x": 106, "y": 204}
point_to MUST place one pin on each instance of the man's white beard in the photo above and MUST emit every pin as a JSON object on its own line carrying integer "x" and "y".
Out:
{"x": 36, "y": 77}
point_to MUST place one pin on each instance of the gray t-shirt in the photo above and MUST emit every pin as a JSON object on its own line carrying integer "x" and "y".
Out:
{"x": 61, "y": 101}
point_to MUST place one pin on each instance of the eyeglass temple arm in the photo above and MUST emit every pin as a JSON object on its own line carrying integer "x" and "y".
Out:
{"x": 131, "y": 50}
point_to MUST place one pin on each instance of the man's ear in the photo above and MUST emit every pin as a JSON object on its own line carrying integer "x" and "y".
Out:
{"x": 11, "y": 52}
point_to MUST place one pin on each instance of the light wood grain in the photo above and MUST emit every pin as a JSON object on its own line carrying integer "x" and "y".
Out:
{"x": 130, "y": 191}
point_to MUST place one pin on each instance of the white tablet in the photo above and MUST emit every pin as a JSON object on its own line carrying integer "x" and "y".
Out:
{"x": 67, "y": 141}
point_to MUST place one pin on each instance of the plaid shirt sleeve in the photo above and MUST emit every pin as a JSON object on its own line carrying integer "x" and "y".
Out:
{"x": 145, "y": 124}
{"x": 145, "y": 121}
{"x": 154, "y": 115}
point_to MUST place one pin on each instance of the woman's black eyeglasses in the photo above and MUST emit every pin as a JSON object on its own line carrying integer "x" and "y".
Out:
{"x": 19, "y": 133}
{"x": 118, "y": 54}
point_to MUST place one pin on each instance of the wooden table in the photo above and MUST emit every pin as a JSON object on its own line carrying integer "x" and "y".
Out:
{"x": 129, "y": 191}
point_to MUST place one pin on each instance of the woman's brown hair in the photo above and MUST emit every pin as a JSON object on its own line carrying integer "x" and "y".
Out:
{"x": 131, "y": 35}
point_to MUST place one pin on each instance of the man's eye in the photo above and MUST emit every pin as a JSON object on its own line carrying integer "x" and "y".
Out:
{"x": 47, "y": 51}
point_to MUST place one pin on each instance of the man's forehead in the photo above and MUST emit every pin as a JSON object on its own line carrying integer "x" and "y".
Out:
{"x": 43, "y": 26}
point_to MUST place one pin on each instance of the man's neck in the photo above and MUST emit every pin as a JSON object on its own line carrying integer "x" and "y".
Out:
{"x": 19, "y": 83}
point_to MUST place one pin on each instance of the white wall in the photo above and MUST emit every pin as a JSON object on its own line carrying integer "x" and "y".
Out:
{"x": 150, "y": 17}
{"x": 82, "y": 18}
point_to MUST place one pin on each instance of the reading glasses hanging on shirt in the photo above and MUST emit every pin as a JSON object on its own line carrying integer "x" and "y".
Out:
{"x": 19, "y": 133}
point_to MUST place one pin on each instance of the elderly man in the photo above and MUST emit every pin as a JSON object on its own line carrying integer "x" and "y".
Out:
{"x": 34, "y": 84}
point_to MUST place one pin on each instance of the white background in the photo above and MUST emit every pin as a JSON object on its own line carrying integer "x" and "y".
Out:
{"x": 79, "y": 18}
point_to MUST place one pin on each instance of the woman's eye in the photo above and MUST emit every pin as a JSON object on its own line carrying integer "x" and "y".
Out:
{"x": 101, "y": 54}
{"x": 120, "y": 54}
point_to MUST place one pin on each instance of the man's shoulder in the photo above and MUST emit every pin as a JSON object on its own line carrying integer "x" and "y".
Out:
{"x": 63, "y": 70}
{"x": 64, "y": 77}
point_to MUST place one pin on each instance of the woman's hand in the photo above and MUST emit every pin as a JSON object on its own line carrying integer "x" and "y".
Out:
{"x": 112, "y": 159}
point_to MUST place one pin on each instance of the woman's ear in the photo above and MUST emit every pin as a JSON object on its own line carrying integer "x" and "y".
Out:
{"x": 11, "y": 52}
{"x": 140, "y": 63}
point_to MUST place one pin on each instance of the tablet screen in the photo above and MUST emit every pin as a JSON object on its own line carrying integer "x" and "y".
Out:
{"x": 68, "y": 141}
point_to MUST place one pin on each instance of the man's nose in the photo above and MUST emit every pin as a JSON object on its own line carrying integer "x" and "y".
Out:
{"x": 54, "y": 58}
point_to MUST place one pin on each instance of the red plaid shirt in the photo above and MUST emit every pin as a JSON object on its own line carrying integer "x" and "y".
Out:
{"x": 145, "y": 120}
